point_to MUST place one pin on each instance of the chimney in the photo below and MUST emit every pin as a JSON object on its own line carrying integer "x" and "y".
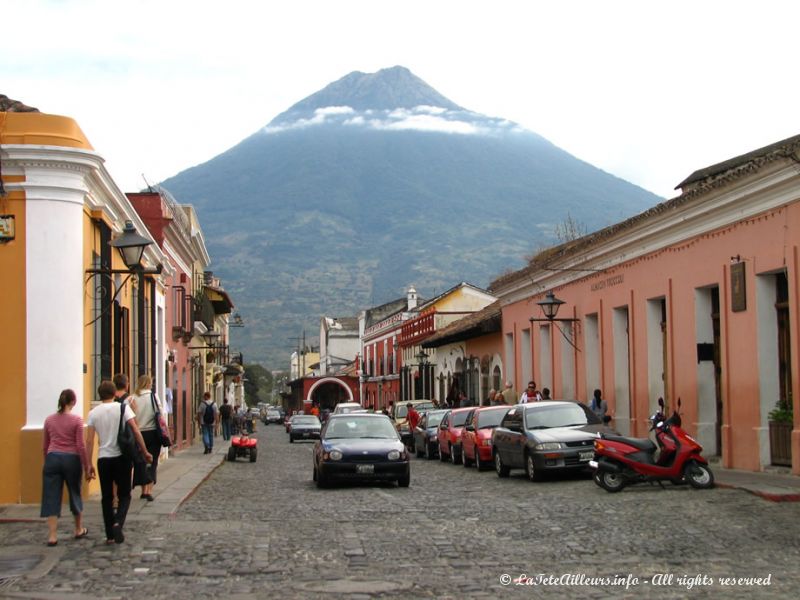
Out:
{"x": 411, "y": 295}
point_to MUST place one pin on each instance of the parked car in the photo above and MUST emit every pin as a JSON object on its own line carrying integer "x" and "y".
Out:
{"x": 360, "y": 446}
{"x": 305, "y": 427}
{"x": 426, "y": 435}
{"x": 287, "y": 424}
{"x": 476, "y": 439}
{"x": 273, "y": 416}
{"x": 400, "y": 417}
{"x": 545, "y": 436}
{"x": 347, "y": 407}
{"x": 450, "y": 431}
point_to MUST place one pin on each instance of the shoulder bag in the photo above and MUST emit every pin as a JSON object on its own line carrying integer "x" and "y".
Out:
{"x": 161, "y": 423}
{"x": 125, "y": 438}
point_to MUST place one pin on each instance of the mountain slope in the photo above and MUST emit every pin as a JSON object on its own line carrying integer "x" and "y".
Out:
{"x": 374, "y": 183}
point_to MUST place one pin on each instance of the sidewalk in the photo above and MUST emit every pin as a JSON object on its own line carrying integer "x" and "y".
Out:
{"x": 776, "y": 487}
{"x": 178, "y": 477}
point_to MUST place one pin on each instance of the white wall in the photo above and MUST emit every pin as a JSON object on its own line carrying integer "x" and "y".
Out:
{"x": 622, "y": 391}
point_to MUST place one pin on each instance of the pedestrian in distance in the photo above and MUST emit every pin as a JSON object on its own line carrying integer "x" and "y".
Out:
{"x": 65, "y": 460}
{"x": 509, "y": 395}
{"x": 531, "y": 394}
{"x": 600, "y": 407}
{"x": 490, "y": 398}
{"x": 112, "y": 465}
{"x": 499, "y": 399}
{"x": 546, "y": 394}
{"x": 145, "y": 404}
{"x": 207, "y": 416}
{"x": 225, "y": 418}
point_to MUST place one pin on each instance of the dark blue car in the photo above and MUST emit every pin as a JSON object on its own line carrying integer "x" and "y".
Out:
{"x": 360, "y": 447}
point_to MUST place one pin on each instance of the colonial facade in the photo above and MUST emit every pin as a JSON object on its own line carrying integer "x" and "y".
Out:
{"x": 695, "y": 300}
{"x": 72, "y": 312}
{"x": 440, "y": 375}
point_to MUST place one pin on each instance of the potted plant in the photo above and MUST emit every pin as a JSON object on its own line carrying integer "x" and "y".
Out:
{"x": 781, "y": 420}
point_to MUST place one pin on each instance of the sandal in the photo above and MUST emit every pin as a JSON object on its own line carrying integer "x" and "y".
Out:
{"x": 51, "y": 544}
{"x": 84, "y": 532}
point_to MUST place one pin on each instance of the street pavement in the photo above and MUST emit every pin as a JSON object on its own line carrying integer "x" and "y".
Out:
{"x": 249, "y": 530}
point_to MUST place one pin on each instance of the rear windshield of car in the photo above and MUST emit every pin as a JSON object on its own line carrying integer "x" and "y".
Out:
{"x": 305, "y": 421}
{"x": 491, "y": 418}
{"x": 273, "y": 413}
{"x": 434, "y": 419}
{"x": 458, "y": 419}
{"x": 560, "y": 415}
{"x": 368, "y": 427}
{"x": 401, "y": 411}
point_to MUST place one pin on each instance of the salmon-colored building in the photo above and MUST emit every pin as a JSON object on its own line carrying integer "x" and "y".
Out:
{"x": 695, "y": 299}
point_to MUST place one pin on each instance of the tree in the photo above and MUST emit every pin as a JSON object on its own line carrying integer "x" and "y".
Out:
{"x": 257, "y": 384}
{"x": 569, "y": 229}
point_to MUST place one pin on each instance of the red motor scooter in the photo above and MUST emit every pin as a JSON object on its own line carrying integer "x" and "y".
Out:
{"x": 620, "y": 461}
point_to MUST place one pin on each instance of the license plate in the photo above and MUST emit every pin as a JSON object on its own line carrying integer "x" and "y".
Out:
{"x": 586, "y": 455}
{"x": 364, "y": 469}
{"x": 306, "y": 434}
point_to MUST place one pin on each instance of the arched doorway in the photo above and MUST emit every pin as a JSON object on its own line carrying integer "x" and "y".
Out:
{"x": 328, "y": 392}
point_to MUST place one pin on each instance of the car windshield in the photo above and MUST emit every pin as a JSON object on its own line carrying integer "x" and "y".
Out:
{"x": 364, "y": 427}
{"x": 488, "y": 419}
{"x": 306, "y": 421}
{"x": 459, "y": 418}
{"x": 273, "y": 413}
{"x": 542, "y": 416}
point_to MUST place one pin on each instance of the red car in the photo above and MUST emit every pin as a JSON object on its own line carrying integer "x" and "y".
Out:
{"x": 476, "y": 441}
{"x": 450, "y": 434}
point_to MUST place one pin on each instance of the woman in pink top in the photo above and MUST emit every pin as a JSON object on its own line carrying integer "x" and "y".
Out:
{"x": 64, "y": 459}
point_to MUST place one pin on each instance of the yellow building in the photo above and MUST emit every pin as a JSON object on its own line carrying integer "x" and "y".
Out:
{"x": 63, "y": 326}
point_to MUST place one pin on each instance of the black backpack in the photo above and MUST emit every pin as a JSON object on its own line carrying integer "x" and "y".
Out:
{"x": 208, "y": 415}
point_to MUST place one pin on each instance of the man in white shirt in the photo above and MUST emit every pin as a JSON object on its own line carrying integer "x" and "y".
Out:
{"x": 112, "y": 466}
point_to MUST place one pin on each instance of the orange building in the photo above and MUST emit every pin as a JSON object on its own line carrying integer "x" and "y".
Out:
{"x": 65, "y": 324}
{"x": 695, "y": 299}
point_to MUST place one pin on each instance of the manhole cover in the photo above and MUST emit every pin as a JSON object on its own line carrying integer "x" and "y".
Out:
{"x": 17, "y": 566}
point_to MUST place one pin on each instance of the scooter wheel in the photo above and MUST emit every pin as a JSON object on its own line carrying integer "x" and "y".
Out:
{"x": 612, "y": 482}
{"x": 698, "y": 475}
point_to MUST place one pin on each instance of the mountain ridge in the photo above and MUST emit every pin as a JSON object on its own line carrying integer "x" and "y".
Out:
{"x": 334, "y": 211}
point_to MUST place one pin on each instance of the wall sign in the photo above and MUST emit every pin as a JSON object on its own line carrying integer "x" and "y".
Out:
{"x": 738, "y": 288}
{"x": 6, "y": 228}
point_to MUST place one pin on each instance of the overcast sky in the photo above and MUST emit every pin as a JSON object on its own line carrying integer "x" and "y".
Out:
{"x": 647, "y": 90}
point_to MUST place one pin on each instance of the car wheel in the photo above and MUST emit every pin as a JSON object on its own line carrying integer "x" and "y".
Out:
{"x": 698, "y": 475}
{"x": 478, "y": 464}
{"x": 428, "y": 451}
{"x": 322, "y": 481}
{"x": 464, "y": 460}
{"x": 232, "y": 453}
{"x": 442, "y": 456}
{"x": 455, "y": 456}
{"x": 314, "y": 475}
{"x": 291, "y": 439}
{"x": 530, "y": 469}
{"x": 502, "y": 470}
{"x": 253, "y": 454}
{"x": 404, "y": 481}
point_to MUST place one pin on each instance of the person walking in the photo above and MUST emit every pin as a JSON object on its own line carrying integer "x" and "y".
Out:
{"x": 112, "y": 465}
{"x": 600, "y": 407}
{"x": 225, "y": 414}
{"x": 65, "y": 459}
{"x": 546, "y": 394}
{"x": 509, "y": 395}
{"x": 145, "y": 404}
{"x": 121, "y": 384}
{"x": 207, "y": 416}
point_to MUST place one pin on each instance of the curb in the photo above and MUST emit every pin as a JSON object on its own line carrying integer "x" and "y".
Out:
{"x": 788, "y": 497}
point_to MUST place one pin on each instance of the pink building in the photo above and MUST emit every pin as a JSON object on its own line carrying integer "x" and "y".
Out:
{"x": 695, "y": 299}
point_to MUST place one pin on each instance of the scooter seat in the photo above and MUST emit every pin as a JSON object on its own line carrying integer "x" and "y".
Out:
{"x": 641, "y": 443}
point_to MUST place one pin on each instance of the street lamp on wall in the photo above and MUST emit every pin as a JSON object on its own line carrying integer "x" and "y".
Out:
{"x": 550, "y": 306}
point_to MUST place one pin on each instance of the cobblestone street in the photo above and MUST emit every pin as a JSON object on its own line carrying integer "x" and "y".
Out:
{"x": 252, "y": 530}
